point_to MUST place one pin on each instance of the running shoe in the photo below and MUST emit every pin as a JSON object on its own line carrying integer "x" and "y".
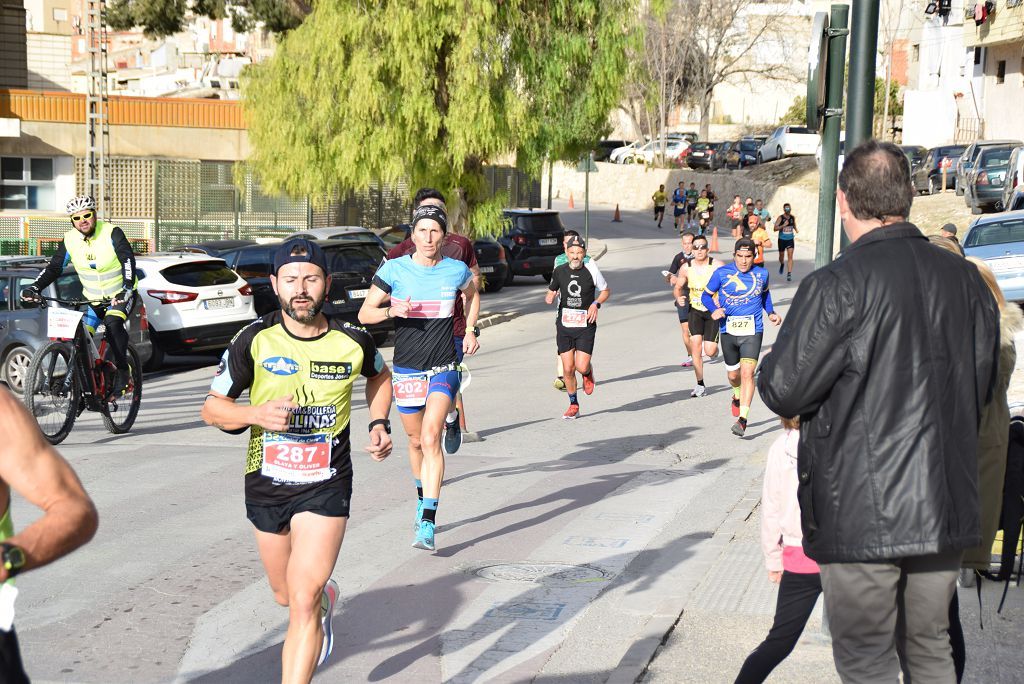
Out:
{"x": 452, "y": 435}
{"x": 589, "y": 382}
{"x": 740, "y": 427}
{"x": 328, "y": 598}
{"x": 424, "y": 536}
{"x": 121, "y": 380}
{"x": 735, "y": 407}
{"x": 571, "y": 412}
{"x": 560, "y": 384}
{"x": 789, "y": 277}
{"x": 688, "y": 362}
{"x": 782, "y": 267}
{"x": 698, "y": 391}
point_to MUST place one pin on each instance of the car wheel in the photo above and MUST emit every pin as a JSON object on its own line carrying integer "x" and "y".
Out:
{"x": 495, "y": 286}
{"x": 156, "y": 360}
{"x": 998, "y": 206}
{"x": 760, "y": 159}
{"x": 933, "y": 187}
{"x": 975, "y": 209}
{"x": 509, "y": 276}
{"x": 959, "y": 190}
{"x": 15, "y": 368}
{"x": 778, "y": 153}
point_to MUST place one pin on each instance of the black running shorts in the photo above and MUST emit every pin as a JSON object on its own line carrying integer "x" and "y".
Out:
{"x": 742, "y": 348}
{"x": 331, "y": 501}
{"x": 578, "y": 339}
{"x": 11, "y": 669}
{"x": 683, "y": 311}
{"x": 785, "y": 244}
{"x": 701, "y": 323}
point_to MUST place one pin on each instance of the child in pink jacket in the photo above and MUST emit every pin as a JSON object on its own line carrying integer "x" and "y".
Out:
{"x": 781, "y": 541}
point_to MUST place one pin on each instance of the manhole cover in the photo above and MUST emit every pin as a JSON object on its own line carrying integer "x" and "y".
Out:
{"x": 541, "y": 573}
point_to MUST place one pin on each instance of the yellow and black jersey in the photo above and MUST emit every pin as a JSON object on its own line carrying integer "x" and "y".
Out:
{"x": 318, "y": 373}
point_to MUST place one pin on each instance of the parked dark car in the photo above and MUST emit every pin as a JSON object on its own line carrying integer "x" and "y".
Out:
{"x": 23, "y": 329}
{"x": 927, "y": 176}
{"x": 965, "y": 164}
{"x": 915, "y": 155}
{"x": 985, "y": 183}
{"x": 214, "y": 247}
{"x": 490, "y": 255}
{"x": 604, "y": 148}
{"x": 1016, "y": 202}
{"x": 1014, "y": 176}
{"x": 532, "y": 238}
{"x": 742, "y": 153}
{"x": 707, "y": 155}
{"x": 352, "y": 265}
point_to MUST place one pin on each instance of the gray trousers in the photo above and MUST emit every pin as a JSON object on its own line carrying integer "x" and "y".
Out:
{"x": 891, "y": 613}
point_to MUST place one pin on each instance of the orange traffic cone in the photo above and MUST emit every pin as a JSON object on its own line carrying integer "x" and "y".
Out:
{"x": 617, "y": 218}
{"x": 714, "y": 240}
{"x": 572, "y": 205}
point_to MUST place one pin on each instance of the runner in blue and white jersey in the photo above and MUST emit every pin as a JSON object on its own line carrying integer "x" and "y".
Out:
{"x": 743, "y": 295}
{"x": 419, "y": 292}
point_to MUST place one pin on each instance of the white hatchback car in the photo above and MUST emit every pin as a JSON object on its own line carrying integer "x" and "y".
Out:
{"x": 786, "y": 141}
{"x": 194, "y": 302}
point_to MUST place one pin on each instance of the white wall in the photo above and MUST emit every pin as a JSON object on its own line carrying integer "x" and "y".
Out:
{"x": 929, "y": 117}
{"x": 64, "y": 181}
{"x": 1003, "y": 100}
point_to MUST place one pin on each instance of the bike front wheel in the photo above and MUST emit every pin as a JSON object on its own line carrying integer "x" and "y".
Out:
{"x": 52, "y": 392}
{"x": 119, "y": 413}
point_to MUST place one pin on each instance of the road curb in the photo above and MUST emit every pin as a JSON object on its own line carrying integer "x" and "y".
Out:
{"x": 487, "y": 319}
{"x": 600, "y": 249}
{"x": 633, "y": 665}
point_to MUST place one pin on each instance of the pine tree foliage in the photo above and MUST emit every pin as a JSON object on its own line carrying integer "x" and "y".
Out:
{"x": 430, "y": 90}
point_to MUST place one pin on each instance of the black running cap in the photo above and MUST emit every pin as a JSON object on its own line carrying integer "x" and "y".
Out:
{"x": 575, "y": 241}
{"x": 308, "y": 251}
{"x": 744, "y": 243}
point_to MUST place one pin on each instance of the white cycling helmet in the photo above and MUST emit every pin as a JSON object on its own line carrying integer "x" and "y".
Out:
{"x": 77, "y": 204}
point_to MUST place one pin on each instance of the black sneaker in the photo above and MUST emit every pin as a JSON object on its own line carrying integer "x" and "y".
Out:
{"x": 781, "y": 268}
{"x": 789, "y": 277}
{"x": 452, "y": 435}
{"x": 740, "y": 427}
{"x": 121, "y": 380}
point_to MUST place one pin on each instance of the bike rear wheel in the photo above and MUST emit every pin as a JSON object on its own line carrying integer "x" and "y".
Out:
{"x": 52, "y": 392}
{"x": 119, "y": 413}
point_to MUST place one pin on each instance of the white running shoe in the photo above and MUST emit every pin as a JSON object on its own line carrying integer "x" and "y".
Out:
{"x": 698, "y": 391}
{"x": 327, "y": 600}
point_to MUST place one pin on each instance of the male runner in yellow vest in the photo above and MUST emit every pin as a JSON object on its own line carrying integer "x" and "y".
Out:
{"x": 105, "y": 264}
{"x": 689, "y": 286}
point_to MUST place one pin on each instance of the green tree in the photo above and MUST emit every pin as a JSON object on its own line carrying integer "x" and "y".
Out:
{"x": 883, "y": 128}
{"x": 166, "y": 17}
{"x": 430, "y": 90}
{"x": 796, "y": 115}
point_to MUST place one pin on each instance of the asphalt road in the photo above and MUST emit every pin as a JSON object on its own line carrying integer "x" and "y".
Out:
{"x": 560, "y": 543}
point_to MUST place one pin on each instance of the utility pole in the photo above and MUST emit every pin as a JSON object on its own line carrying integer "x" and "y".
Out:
{"x": 833, "y": 112}
{"x": 97, "y": 109}
{"x": 860, "y": 113}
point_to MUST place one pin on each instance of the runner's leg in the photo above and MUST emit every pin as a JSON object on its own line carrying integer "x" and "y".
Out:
{"x": 274, "y": 550}
{"x": 747, "y": 367}
{"x": 432, "y": 465}
{"x": 789, "y": 257}
{"x": 582, "y": 362}
{"x": 696, "y": 344}
{"x": 316, "y": 541}
{"x": 569, "y": 370}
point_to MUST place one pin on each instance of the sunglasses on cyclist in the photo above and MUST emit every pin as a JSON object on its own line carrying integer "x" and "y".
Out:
{"x": 82, "y": 217}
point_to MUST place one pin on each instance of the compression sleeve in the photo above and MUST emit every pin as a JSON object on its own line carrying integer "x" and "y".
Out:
{"x": 126, "y": 256}
{"x": 53, "y": 269}
{"x": 766, "y": 301}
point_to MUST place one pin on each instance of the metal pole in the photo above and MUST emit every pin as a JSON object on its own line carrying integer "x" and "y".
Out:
{"x": 860, "y": 113}
{"x": 586, "y": 199}
{"x": 551, "y": 173}
{"x": 837, "y": 33}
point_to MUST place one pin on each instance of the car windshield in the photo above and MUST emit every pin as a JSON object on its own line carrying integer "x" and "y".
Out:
{"x": 799, "y": 129}
{"x": 995, "y": 159}
{"x": 540, "y": 223}
{"x": 949, "y": 152}
{"x": 362, "y": 259}
{"x": 199, "y": 274}
{"x": 1001, "y": 233}
{"x": 697, "y": 147}
{"x": 748, "y": 145}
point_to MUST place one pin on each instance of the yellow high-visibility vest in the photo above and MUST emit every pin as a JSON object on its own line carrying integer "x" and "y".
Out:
{"x": 96, "y": 261}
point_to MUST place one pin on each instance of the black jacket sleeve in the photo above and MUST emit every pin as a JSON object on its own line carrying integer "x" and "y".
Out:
{"x": 810, "y": 351}
{"x": 986, "y": 342}
{"x": 53, "y": 269}
{"x": 126, "y": 256}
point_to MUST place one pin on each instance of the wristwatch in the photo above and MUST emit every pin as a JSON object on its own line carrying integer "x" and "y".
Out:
{"x": 475, "y": 330}
{"x": 381, "y": 421}
{"x": 598, "y": 304}
{"x": 13, "y": 558}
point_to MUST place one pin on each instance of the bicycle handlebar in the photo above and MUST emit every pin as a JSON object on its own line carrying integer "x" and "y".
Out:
{"x": 68, "y": 302}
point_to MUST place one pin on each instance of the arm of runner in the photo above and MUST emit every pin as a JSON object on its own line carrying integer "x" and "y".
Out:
{"x": 378, "y": 399}
{"x": 469, "y": 342}
{"x": 37, "y": 472}
{"x": 221, "y": 411}
{"x": 549, "y": 296}
{"x": 678, "y": 289}
{"x": 373, "y": 309}
{"x": 766, "y": 304}
{"x": 602, "y": 297}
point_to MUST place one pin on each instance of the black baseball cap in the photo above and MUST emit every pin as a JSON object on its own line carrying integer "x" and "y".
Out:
{"x": 744, "y": 243}
{"x": 575, "y": 241}
{"x": 300, "y": 250}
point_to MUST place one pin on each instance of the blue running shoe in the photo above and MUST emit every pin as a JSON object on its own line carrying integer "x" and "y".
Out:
{"x": 327, "y": 600}
{"x": 424, "y": 536}
{"x": 452, "y": 435}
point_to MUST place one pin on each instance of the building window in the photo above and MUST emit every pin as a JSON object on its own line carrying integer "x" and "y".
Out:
{"x": 27, "y": 183}
{"x": 915, "y": 53}
{"x": 977, "y": 56}
{"x": 1001, "y": 71}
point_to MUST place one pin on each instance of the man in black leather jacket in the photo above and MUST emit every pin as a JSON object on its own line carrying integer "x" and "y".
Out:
{"x": 875, "y": 343}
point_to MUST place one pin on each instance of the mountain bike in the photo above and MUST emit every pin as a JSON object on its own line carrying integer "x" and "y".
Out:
{"x": 70, "y": 375}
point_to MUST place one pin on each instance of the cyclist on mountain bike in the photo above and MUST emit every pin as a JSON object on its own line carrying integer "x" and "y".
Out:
{"x": 105, "y": 264}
